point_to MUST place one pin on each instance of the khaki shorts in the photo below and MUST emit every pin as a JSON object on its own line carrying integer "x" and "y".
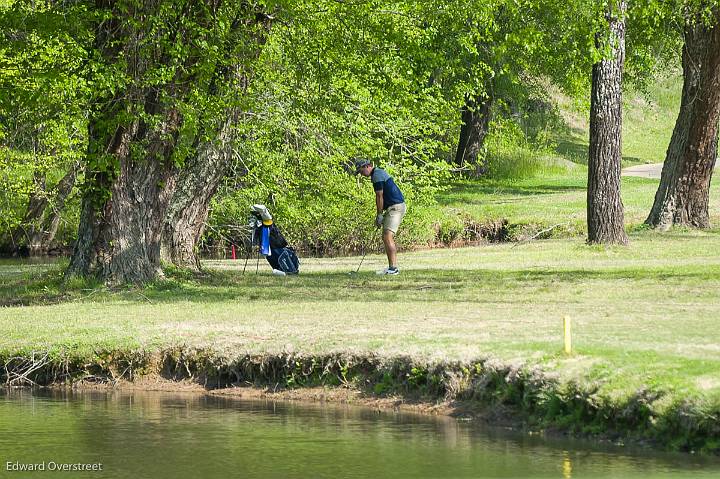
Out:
{"x": 393, "y": 217}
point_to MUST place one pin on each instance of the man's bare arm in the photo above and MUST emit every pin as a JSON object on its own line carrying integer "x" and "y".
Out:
{"x": 379, "y": 201}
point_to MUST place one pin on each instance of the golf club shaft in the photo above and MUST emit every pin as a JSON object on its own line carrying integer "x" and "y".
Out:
{"x": 361, "y": 260}
{"x": 363, "y": 255}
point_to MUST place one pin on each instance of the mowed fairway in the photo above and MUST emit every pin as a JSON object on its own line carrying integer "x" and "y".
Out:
{"x": 643, "y": 316}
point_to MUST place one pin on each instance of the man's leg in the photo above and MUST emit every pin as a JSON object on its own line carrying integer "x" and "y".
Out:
{"x": 390, "y": 249}
{"x": 393, "y": 218}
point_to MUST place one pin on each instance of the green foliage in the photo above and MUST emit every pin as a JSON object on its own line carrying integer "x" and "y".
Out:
{"x": 41, "y": 105}
{"x": 327, "y": 94}
{"x": 164, "y": 80}
{"x": 322, "y": 209}
{"x": 449, "y": 228}
{"x": 313, "y": 83}
{"x": 23, "y": 177}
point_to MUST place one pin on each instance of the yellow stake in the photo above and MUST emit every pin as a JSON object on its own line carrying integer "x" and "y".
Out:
{"x": 567, "y": 328}
{"x": 567, "y": 466}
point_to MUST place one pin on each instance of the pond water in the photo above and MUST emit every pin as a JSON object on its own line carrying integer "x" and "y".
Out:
{"x": 164, "y": 435}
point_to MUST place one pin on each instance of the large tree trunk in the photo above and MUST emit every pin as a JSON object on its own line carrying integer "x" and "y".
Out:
{"x": 129, "y": 174}
{"x": 605, "y": 217}
{"x": 42, "y": 218}
{"x": 683, "y": 195}
{"x": 197, "y": 183}
{"x": 119, "y": 234}
{"x": 476, "y": 116}
{"x": 132, "y": 155}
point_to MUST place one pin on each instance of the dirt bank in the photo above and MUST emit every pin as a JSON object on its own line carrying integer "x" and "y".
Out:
{"x": 501, "y": 393}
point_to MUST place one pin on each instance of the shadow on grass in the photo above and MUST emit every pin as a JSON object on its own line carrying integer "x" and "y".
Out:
{"x": 427, "y": 285}
{"x": 578, "y": 153}
{"x": 573, "y": 151}
{"x": 480, "y": 191}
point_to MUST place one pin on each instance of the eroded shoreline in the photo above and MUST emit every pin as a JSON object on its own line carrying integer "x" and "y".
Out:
{"x": 520, "y": 395}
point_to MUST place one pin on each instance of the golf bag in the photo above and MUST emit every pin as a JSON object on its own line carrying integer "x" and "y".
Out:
{"x": 271, "y": 243}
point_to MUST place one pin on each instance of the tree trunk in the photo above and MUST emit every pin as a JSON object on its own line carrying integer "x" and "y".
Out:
{"x": 197, "y": 183}
{"x": 119, "y": 234}
{"x": 128, "y": 179}
{"x": 476, "y": 116}
{"x": 605, "y": 217}
{"x": 683, "y": 195}
{"x": 43, "y": 215}
{"x": 21, "y": 238}
{"x": 132, "y": 153}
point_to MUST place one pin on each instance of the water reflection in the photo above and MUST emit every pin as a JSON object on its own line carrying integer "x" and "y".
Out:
{"x": 171, "y": 435}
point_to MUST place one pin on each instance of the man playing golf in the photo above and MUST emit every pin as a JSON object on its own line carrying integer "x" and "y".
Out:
{"x": 390, "y": 208}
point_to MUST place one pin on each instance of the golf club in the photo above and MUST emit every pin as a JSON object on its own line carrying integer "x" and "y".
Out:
{"x": 364, "y": 249}
{"x": 361, "y": 262}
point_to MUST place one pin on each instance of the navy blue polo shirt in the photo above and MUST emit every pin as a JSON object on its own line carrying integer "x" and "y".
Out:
{"x": 383, "y": 182}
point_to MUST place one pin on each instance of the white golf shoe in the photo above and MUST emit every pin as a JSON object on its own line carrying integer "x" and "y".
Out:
{"x": 389, "y": 271}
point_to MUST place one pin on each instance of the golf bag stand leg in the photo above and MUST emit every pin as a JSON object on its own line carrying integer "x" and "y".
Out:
{"x": 247, "y": 257}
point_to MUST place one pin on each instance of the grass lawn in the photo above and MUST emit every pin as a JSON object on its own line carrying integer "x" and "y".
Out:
{"x": 644, "y": 316}
{"x": 648, "y": 122}
{"x": 558, "y": 202}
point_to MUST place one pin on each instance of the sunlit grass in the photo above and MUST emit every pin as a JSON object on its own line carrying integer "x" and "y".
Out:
{"x": 649, "y": 119}
{"x": 643, "y": 315}
{"x": 557, "y": 202}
